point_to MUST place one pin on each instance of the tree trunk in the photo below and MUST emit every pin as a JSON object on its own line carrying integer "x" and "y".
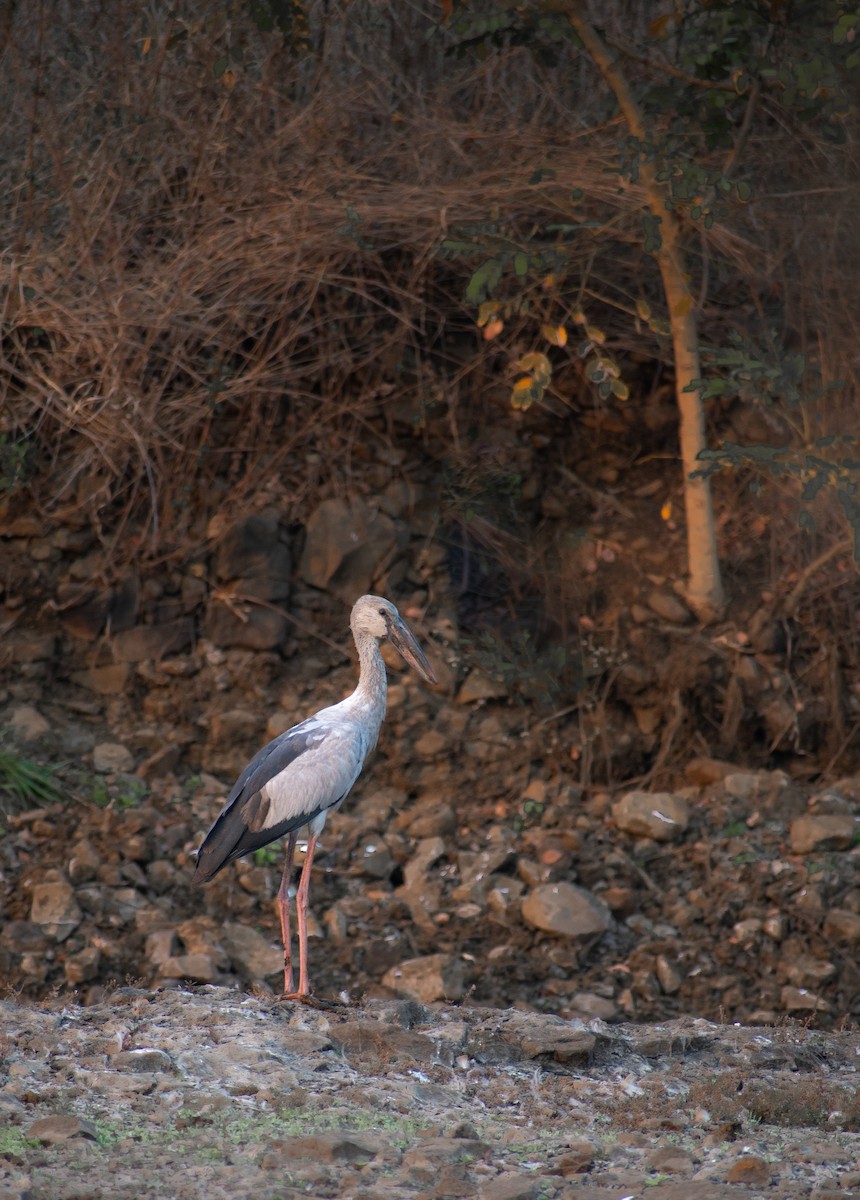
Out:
{"x": 704, "y": 585}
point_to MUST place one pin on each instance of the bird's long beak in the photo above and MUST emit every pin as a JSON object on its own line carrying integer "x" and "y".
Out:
{"x": 404, "y": 641}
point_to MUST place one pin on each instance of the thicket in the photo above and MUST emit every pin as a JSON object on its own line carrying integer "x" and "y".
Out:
{"x": 238, "y": 247}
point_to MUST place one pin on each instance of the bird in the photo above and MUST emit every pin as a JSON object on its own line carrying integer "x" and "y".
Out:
{"x": 307, "y": 772}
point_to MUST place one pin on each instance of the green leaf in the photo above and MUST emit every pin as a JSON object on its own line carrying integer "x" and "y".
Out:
{"x": 484, "y": 282}
{"x": 521, "y": 264}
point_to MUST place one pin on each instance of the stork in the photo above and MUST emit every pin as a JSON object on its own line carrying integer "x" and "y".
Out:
{"x": 308, "y": 771}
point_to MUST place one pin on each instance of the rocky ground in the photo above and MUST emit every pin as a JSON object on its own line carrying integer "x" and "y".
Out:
{"x": 733, "y": 897}
{"x": 525, "y": 879}
{"x": 214, "y": 1092}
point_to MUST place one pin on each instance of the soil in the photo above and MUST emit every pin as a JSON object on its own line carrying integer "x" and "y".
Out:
{"x": 213, "y": 1092}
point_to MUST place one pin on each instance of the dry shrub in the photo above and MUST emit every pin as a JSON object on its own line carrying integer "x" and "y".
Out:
{"x": 222, "y": 277}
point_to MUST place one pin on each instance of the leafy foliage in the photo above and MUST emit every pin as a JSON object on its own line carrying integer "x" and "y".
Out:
{"x": 25, "y": 782}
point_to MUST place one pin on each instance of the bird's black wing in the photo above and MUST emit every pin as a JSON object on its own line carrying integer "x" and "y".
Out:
{"x": 247, "y": 821}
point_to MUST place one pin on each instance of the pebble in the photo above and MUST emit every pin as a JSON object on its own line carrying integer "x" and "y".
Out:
{"x": 822, "y": 832}
{"x": 662, "y": 816}
{"x": 433, "y": 977}
{"x": 841, "y": 925}
{"x": 51, "y": 1130}
{"x": 109, "y": 757}
{"x": 670, "y": 607}
{"x": 28, "y": 723}
{"x": 54, "y": 909}
{"x": 749, "y": 1169}
{"x": 796, "y": 999}
{"x": 478, "y": 686}
{"x": 566, "y": 909}
{"x": 255, "y": 956}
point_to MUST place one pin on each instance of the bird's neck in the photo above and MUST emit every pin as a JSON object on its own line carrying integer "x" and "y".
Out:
{"x": 372, "y": 680}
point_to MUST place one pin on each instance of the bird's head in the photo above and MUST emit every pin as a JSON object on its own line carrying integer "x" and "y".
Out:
{"x": 376, "y": 616}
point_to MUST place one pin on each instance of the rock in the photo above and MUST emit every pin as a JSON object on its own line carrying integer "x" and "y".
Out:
{"x": 667, "y": 974}
{"x": 434, "y": 977}
{"x": 430, "y": 819}
{"x": 430, "y": 744}
{"x": 30, "y": 648}
{"x": 242, "y": 623}
{"x": 234, "y": 725}
{"x": 152, "y": 641}
{"x": 700, "y": 772}
{"x": 110, "y": 680}
{"x": 251, "y": 550}
{"x": 513, "y": 1185}
{"x": 537, "y": 1035}
{"x": 83, "y": 966}
{"x": 565, "y": 909}
{"x": 749, "y": 1169}
{"x": 427, "y": 852}
{"x": 161, "y": 762}
{"x": 593, "y": 1006}
{"x": 670, "y": 1160}
{"x": 254, "y": 955}
{"x": 478, "y": 686}
{"x": 795, "y": 999}
{"x": 345, "y": 545}
{"x": 331, "y": 1148}
{"x": 806, "y": 971}
{"x": 83, "y": 862}
{"x": 373, "y": 858}
{"x": 840, "y": 925}
{"x": 112, "y": 756}
{"x": 144, "y": 1059}
{"x": 825, "y": 832}
{"x": 200, "y": 968}
{"x": 662, "y": 816}
{"x": 669, "y": 606}
{"x": 28, "y": 723}
{"x": 51, "y": 1130}
{"x": 55, "y": 910}
{"x": 577, "y": 1158}
{"x": 83, "y": 612}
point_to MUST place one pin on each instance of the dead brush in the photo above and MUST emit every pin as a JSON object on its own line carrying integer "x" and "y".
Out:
{"x": 220, "y": 288}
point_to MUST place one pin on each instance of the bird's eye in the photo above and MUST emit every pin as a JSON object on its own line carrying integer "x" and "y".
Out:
{"x": 383, "y": 613}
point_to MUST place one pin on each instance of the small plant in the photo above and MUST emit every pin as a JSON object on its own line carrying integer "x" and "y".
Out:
{"x": 530, "y": 813}
{"x": 24, "y": 782}
{"x": 267, "y": 856}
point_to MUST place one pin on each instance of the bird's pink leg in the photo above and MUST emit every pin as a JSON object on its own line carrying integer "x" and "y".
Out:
{"x": 302, "y": 914}
{"x": 284, "y": 910}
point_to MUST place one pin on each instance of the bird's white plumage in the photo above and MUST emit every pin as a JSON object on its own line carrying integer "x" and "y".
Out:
{"x": 299, "y": 777}
{"x": 336, "y": 746}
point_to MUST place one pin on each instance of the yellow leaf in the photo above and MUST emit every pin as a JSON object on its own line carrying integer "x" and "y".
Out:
{"x": 538, "y": 365}
{"x": 548, "y": 282}
{"x": 659, "y": 26}
{"x": 578, "y": 316}
{"x": 683, "y": 306}
{"x": 666, "y": 511}
{"x": 147, "y": 45}
{"x": 524, "y": 384}
{"x": 493, "y": 329}
{"x": 556, "y": 335}
{"x": 487, "y": 311}
{"x": 595, "y": 335}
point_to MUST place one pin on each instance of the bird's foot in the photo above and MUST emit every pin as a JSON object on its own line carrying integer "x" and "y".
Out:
{"x": 311, "y": 1001}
